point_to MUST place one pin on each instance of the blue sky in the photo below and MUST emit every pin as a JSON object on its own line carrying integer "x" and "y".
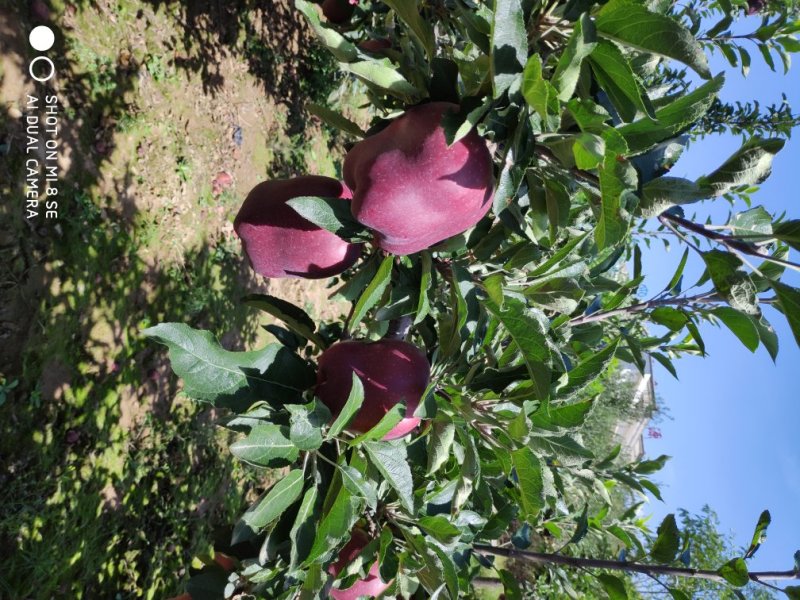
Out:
{"x": 733, "y": 436}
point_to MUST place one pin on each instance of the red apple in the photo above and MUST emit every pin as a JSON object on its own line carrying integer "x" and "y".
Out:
{"x": 413, "y": 190}
{"x": 376, "y": 46}
{"x": 371, "y": 585}
{"x": 338, "y": 11}
{"x": 391, "y": 371}
{"x": 281, "y": 243}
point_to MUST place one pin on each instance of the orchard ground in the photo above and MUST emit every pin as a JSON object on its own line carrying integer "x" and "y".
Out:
{"x": 108, "y": 484}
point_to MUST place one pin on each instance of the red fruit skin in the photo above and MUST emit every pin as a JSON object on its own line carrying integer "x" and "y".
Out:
{"x": 337, "y": 11}
{"x": 372, "y": 585}
{"x": 391, "y": 371}
{"x": 281, "y": 243}
{"x": 413, "y": 190}
{"x": 375, "y": 46}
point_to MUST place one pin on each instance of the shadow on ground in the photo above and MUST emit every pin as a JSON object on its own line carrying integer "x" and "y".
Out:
{"x": 100, "y": 464}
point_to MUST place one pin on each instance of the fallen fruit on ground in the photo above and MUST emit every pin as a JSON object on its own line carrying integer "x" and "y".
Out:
{"x": 411, "y": 189}
{"x": 371, "y": 585}
{"x": 392, "y": 371}
{"x": 281, "y": 243}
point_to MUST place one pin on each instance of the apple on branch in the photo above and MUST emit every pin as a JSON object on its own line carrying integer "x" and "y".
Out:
{"x": 281, "y": 243}
{"x": 413, "y": 190}
{"x": 392, "y": 371}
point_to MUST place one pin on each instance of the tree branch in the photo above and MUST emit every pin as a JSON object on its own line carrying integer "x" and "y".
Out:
{"x": 630, "y": 567}
{"x": 705, "y": 298}
{"x": 727, "y": 240}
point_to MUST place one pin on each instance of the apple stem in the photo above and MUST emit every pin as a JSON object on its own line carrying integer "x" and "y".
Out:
{"x": 398, "y": 328}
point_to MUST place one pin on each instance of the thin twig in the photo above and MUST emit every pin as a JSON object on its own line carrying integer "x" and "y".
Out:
{"x": 705, "y": 298}
{"x": 614, "y": 565}
{"x": 726, "y": 240}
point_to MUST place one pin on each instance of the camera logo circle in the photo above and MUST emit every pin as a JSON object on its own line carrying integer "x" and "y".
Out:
{"x": 42, "y": 38}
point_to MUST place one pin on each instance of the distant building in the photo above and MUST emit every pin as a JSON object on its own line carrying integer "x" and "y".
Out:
{"x": 630, "y": 433}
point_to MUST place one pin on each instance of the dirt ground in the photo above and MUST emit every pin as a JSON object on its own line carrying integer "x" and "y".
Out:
{"x": 170, "y": 112}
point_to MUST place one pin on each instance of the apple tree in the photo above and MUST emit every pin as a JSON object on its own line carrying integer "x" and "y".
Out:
{"x": 487, "y": 237}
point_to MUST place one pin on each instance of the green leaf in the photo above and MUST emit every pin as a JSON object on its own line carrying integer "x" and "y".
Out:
{"x": 580, "y": 45}
{"x": 270, "y": 506}
{"x": 332, "y": 214}
{"x": 509, "y": 44}
{"x": 589, "y": 369}
{"x": 423, "y": 305}
{"x": 267, "y": 445}
{"x": 588, "y": 150}
{"x": 631, "y": 24}
{"x": 335, "y": 526}
{"x": 306, "y": 423}
{"x": 304, "y": 528}
{"x": 788, "y": 232}
{"x": 564, "y": 415}
{"x": 671, "y": 318}
{"x": 662, "y": 193}
{"x": 391, "y": 460}
{"x": 740, "y": 324}
{"x": 440, "y": 443}
{"x": 563, "y": 448}
{"x": 753, "y": 221}
{"x": 678, "y": 594}
{"x": 614, "y": 74}
{"x": 731, "y": 283}
{"x": 676, "y": 278}
{"x": 511, "y": 587}
{"x": 582, "y": 527}
{"x": 789, "y": 303}
{"x": 342, "y": 49}
{"x": 735, "y": 572}
{"x": 540, "y": 94}
{"x": 558, "y": 203}
{"x": 613, "y": 586}
{"x": 749, "y": 165}
{"x": 768, "y": 337}
{"x": 643, "y": 134}
{"x": 528, "y": 333}
{"x": 470, "y": 471}
{"x": 668, "y": 540}
{"x": 560, "y": 295}
{"x": 231, "y": 379}
{"x": 665, "y": 362}
{"x": 295, "y": 318}
{"x": 457, "y": 125}
{"x": 354, "y": 400}
{"x": 760, "y": 533}
{"x": 358, "y": 486}
{"x": 373, "y": 292}
{"x": 387, "y": 555}
{"x": 617, "y": 180}
{"x": 385, "y": 76}
{"x": 437, "y": 568}
{"x": 408, "y": 11}
{"x": 392, "y": 417}
{"x": 531, "y": 484}
{"x": 440, "y": 528}
{"x": 335, "y": 119}
{"x": 647, "y": 467}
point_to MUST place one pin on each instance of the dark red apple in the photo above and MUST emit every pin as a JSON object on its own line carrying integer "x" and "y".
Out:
{"x": 375, "y": 46}
{"x": 281, "y": 243}
{"x": 413, "y": 190}
{"x": 338, "y": 11}
{"x": 371, "y": 585}
{"x": 391, "y": 371}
